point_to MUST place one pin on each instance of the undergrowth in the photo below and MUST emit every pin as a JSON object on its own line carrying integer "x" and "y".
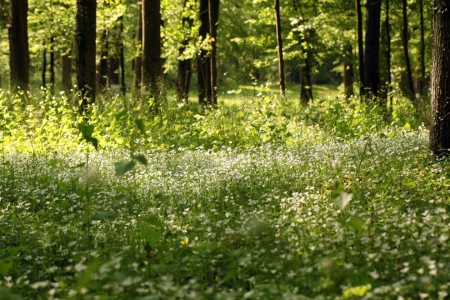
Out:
{"x": 253, "y": 201}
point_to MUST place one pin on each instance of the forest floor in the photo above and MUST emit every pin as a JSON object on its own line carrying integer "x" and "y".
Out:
{"x": 257, "y": 200}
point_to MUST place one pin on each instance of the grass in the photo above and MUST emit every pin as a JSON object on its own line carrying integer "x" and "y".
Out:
{"x": 255, "y": 200}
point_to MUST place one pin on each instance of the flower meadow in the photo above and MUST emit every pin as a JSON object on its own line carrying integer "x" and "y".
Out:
{"x": 251, "y": 201}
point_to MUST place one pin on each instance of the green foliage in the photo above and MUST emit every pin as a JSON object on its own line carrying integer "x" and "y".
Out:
{"x": 256, "y": 199}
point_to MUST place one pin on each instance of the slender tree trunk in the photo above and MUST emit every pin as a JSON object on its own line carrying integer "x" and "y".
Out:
{"x": 44, "y": 67}
{"x": 440, "y": 80}
{"x": 385, "y": 61}
{"x": 411, "y": 92}
{"x": 348, "y": 71}
{"x": 122, "y": 58}
{"x": 306, "y": 93}
{"x": 213, "y": 12}
{"x": 66, "y": 72}
{"x": 138, "y": 59}
{"x": 360, "y": 48}
{"x": 203, "y": 61}
{"x": 151, "y": 48}
{"x": 52, "y": 63}
{"x": 114, "y": 43}
{"x": 372, "y": 47}
{"x": 184, "y": 66}
{"x": 85, "y": 46}
{"x": 280, "y": 49}
{"x": 102, "y": 68}
{"x": 422, "y": 80}
{"x": 19, "y": 58}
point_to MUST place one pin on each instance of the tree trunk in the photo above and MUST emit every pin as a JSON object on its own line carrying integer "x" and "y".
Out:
{"x": 52, "y": 63}
{"x": 372, "y": 47}
{"x": 66, "y": 63}
{"x": 280, "y": 49}
{"x": 85, "y": 46}
{"x": 306, "y": 94}
{"x": 151, "y": 48}
{"x": 360, "y": 48}
{"x": 348, "y": 71}
{"x": 411, "y": 92}
{"x": 138, "y": 59}
{"x": 184, "y": 66}
{"x": 122, "y": 58}
{"x": 44, "y": 67}
{"x": 422, "y": 80}
{"x": 385, "y": 60}
{"x": 114, "y": 43}
{"x": 19, "y": 58}
{"x": 440, "y": 80}
{"x": 213, "y": 12}
{"x": 203, "y": 60}
{"x": 102, "y": 68}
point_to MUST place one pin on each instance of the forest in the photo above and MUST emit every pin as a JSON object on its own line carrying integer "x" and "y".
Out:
{"x": 207, "y": 149}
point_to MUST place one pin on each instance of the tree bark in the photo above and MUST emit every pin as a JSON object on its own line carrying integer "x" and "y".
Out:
{"x": 138, "y": 59}
{"x": 122, "y": 58}
{"x": 411, "y": 92}
{"x": 348, "y": 71}
{"x": 52, "y": 63}
{"x": 151, "y": 48}
{"x": 280, "y": 49}
{"x": 422, "y": 80}
{"x": 203, "y": 60}
{"x": 44, "y": 67}
{"x": 360, "y": 48}
{"x": 66, "y": 72}
{"x": 385, "y": 60}
{"x": 102, "y": 68}
{"x": 372, "y": 46}
{"x": 213, "y": 12}
{"x": 19, "y": 59}
{"x": 85, "y": 46}
{"x": 184, "y": 66}
{"x": 306, "y": 93}
{"x": 439, "y": 139}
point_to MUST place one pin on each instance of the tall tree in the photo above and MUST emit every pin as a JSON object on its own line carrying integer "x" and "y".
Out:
{"x": 203, "y": 60}
{"x": 359, "y": 21}
{"x": 411, "y": 92}
{"x": 385, "y": 59}
{"x": 151, "y": 48}
{"x": 66, "y": 70}
{"x": 348, "y": 70}
{"x": 372, "y": 46}
{"x": 280, "y": 49}
{"x": 137, "y": 63}
{"x": 422, "y": 80}
{"x": 85, "y": 46}
{"x": 213, "y": 13}
{"x": 102, "y": 68}
{"x": 439, "y": 139}
{"x": 184, "y": 64}
{"x": 19, "y": 59}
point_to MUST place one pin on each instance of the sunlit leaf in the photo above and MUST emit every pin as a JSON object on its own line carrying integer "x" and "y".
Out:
{"x": 343, "y": 200}
{"x": 356, "y": 223}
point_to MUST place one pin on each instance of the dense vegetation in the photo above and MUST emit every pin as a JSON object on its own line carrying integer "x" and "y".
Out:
{"x": 253, "y": 200}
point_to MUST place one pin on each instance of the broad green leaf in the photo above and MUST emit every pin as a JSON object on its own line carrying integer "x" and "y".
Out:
{"x": 153, "y": 220}
{"x": 140, "y": 124}
{"x": 141, "y": 158}
{"x": 356, "y": 223}
{"x": 86, "y": 130}
{"x": 124, "y": 166}
{"x": 93, "y": 141}
{"x": 5, "y": 266}
{"x": 337, "y": 189}
{"x": 150, "y": 234}
{"x": 121, "y": 114}
{"x": 78, "y": 166}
